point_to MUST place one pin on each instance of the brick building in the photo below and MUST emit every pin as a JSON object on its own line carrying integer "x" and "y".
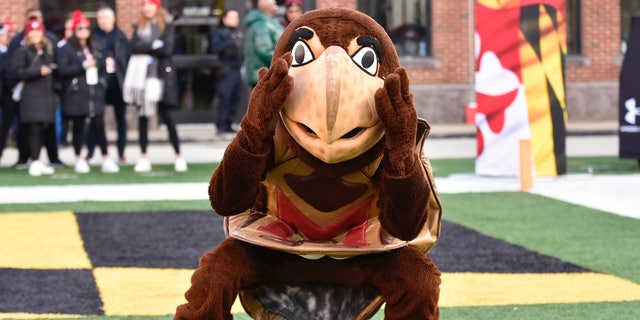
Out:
{"x": 435, "y": 41}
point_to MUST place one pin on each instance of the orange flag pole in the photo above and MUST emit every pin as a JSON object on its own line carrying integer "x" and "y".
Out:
{"x": 526, "y": 169}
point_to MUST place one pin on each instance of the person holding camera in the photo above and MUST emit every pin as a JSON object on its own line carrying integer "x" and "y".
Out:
{"x": 83, "y": 84}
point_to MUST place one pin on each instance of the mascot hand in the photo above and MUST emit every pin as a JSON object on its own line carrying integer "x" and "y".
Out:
{"x": 273, "y": 88}
{"x": 394, "y": 104}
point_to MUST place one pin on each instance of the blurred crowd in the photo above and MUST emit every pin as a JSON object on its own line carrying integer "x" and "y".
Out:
{"x": 53, "y": 88}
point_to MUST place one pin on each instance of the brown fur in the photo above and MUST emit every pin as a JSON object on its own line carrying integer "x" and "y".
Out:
{"x": 406, "y": 278}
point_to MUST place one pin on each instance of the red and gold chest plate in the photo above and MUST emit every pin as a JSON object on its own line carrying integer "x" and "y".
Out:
{"x": 314, "y": 215}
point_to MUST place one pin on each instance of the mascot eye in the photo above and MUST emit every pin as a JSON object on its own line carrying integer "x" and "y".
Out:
{"x": 301, "y": 54}
{"x": 352, "y": 133}
{"x": 367, "y": 60}
{"x": 308, "y": 130}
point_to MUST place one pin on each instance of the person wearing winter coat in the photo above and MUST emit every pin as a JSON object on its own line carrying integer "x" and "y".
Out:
{"x": 227, "y": 43}
{"x": 263, "y": 32}
{"x": 11, "y": 108}
{"x": 5, "y": 88}
{"x": 32, "y": 64}
{"x": 82, "y": 94}
{"x": 151, "y": 81}
{"x": 112, "y": 49}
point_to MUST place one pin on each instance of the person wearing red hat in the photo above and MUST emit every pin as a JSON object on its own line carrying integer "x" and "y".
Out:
{"x": 32, "y": 66}
{"x": 10, "y": 108}
{"x": 293, "y": 9}
{"x": 82, "y": 93}
{"x": 151, "y": 82}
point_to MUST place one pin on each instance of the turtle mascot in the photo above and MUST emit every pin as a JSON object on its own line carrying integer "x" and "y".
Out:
{"x": 330, "y": 206}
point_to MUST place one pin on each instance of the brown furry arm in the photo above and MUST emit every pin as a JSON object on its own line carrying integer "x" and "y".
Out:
{"x": 404, "y": 201}
{"x": 404, "y": 192}
{"x": 236, "y": 183}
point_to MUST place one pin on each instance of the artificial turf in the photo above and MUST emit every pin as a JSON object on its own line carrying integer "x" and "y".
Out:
{"x": 587, "y": 237}
{"x": 163, "y": 239}
{"x": 579, "y": 236}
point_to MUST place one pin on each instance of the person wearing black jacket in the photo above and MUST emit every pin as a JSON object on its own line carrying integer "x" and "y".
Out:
{"x": 5, "y": 37}
{"x": 227, "y": 43}
{"x": 112, "y": 49}
{"x": 32, "y": 64}
{"x": 151, "y": 81}
{"x": 82, "y": 93}
{"x": 11, "y": 111}
{"x": 5, "y": 89}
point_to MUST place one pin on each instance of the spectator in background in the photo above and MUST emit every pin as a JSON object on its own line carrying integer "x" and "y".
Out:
{"x": 68, "y": 32}
{"x": 18, "y": 41}
{"x": 112, "y": 49}
{"x": 227, "y": 43}
{"x": 63, "y": 130}
{"x": 5, "y": 89}
{"x": 293, "y": 9}
{"x": 32, "y": 64}
{"x": 262, "y": 34}
{"x": 5, "y": 37}
{"x": 83, "y": 92}
{"x": 150, "y": 81}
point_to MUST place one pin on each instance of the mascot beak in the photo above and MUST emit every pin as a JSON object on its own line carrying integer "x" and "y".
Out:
{"x": 331, "y": 110}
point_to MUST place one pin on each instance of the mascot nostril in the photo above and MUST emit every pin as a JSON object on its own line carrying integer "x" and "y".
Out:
{"x": 326, "y": 193}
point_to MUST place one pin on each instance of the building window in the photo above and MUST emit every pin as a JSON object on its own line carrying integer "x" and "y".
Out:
{"x": 574, "y": 37}
{"x": 408, "y": 23}
{"x": 630, "y": 8}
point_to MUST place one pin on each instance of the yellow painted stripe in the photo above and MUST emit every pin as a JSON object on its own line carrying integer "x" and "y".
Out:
{"x": 49, "y": 240}
{"x": 488, "y": 289}
{"x": 140, "y": 291}
{"x": 144, "y": 292}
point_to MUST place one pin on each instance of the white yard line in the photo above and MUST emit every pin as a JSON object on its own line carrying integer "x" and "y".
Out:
{"x": 616, "y": 194}
{"x": 114, "y": 192}
{"x": 610, "y": 193}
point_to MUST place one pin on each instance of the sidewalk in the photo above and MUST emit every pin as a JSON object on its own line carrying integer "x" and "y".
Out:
{"x": 200, "y": 144}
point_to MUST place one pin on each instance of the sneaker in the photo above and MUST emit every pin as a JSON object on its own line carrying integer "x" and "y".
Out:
{"x": 57, "y": 165}
{"x": 81, "y": 167}
{"x": 143, "y": 165}
{"x": 47, "y": 170}
{"x": 180, "y": 165}
{"x": 37, "y": 168}
{"x": 109, "y": 166}
{"x": 21, "y": 165}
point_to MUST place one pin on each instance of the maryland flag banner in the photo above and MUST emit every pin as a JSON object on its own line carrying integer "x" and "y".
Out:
{"x": 520, "y": 48}
{"x": 629, "y": 100}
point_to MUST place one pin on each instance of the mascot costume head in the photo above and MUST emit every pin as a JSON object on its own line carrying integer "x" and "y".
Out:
{"x": 325, "y": 189}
